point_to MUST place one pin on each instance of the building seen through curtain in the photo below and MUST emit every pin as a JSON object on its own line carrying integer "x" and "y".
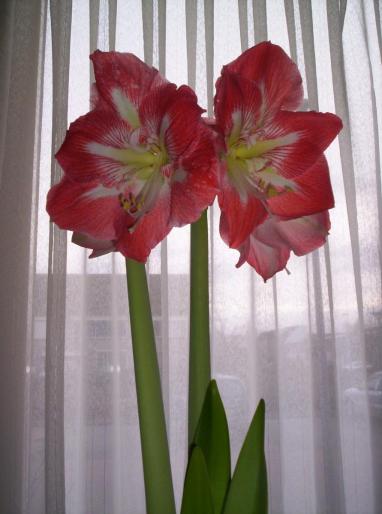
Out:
{"x": 308, "y": 343}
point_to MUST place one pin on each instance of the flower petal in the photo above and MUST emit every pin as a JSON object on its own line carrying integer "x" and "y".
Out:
{"x": 91, "y": 209}
{"x": 182, "y": 123}
{"x": 273, "y": 72}
{"x": 154, "y": 105}
{"x": 123, "y": 79}
{"x": 87, "y": 153}
{"x": 303, "y": 235}
{"x": 303, "y": 136}
{"x": 194, "y": 184}
{"x": 267, "y": 260}
{"x": 237, "y": 104}
{"x": 149, "y": 230}
{"x": 99, "y": 246}
{"x": 313, "y": 194}
{"x": 238, "y": 218}
{"x": 268, "y": 247}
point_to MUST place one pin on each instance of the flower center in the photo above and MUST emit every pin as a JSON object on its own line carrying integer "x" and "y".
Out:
{"x": 146, "y": 170}
{"x": 142, "y": 170}
{"x": 250, "y": 169}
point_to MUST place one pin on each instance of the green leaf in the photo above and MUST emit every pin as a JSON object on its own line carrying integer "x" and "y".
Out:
{"x": 197, "y": 497}
{"x": 248, "y": 492}
{"x": 212, "y": 437}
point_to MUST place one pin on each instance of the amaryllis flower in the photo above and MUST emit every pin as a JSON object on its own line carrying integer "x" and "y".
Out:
{"x": 268, "y": 247}
{"x": 138, "y": 164}
{"x": 272, "y": 161}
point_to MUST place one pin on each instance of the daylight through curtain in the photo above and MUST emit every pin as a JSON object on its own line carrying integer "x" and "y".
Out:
{"x": 309, "y": 342}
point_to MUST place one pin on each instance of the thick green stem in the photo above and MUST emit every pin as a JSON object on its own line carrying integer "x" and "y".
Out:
{"x": 200, "y": 362}
{"x": 155, "y": 452}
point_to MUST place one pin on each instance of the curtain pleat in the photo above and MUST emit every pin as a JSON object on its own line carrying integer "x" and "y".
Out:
{"x": 329, "y": 478}
{"x": 378, "y": 188}
{"x": 289, "y": 13}
{"x": 191, "y": 33}
{"x": 209, "y": 42}
{"x": 60, "y": 14}
{"x": 164, "y": 275}
{"x": 148, "y": 29}
{"x": 342, "y": 109}
{"x": 308, "y": 342}
{"x": 243, "y": 20}
{"x": 377, "y": 12}
{"x": 21, "y": 64}
{"x": 94, "y": 20}
{"x": 260, "y": 20}
{"x": 7, "y": 13}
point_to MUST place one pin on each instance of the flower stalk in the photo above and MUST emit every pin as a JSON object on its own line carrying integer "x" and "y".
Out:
{"x": 155, "y": 451}
{"x": 199, "y": 360}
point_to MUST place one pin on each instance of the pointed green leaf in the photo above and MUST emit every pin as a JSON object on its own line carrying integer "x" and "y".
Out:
{"x": 248, "y": 492}
{"x": 197, "y": 497}
{"x": 213, "y": 438}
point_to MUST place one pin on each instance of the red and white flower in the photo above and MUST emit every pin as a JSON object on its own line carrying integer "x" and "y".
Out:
{"x": 138, "y": 164}
{"x": 268, "y": 247}
{"x": 272, "y": 161}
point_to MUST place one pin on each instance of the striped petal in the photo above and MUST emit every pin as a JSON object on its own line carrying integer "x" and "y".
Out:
{"x": 267, "y": 260}
{"x": 194, "y": 183}
{"x": 239, "y": 217}
{"x": 313, "y": 193}
{"x": 149, "y": 230}
{"x": 182, "y": 124}
{"x": 99, "y": 246}
{"x": 299, "y": 140}
{"x": 91, "y": 149}
{"x": 123, "y": 80}
{"x": 303, "y": 235}
{"x": 268, "y": 248}
{"x": 87, "y": 208}
{"x": 275, "y": 74}
{"x": 237, "y": 106}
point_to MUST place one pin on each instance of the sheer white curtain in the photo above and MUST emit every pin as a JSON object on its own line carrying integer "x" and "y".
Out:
{"x": 309, "y": 343}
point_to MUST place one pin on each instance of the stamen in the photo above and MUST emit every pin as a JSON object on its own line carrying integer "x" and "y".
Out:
{"x": 131, "y": 204}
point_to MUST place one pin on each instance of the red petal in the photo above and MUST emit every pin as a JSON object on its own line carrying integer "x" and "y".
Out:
{"x": 96, "y": 100}
{"x": 148, "y": 232}
{"x": 313, "y": 132}
{"x": 274, "y": 72}
{"x": 154, "y": 105}
{"x": 82, "y": 208}
{"x": 268, "y": 247}
{"x": 267, "y": 260}
{"x": 314, "y": 194}
{"x": 75, "y": 156}
{"x": 238, "y": 219}
{"x": 99, "y": 246}
{"x": 182, "y": 123}
{"x": 196, "y": 187}
{"x": 236, "y": 96}
{"x": 126, "y": 73}
{"x": 303, "y": 235}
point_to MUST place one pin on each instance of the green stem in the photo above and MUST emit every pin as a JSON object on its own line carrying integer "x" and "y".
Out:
{"x": 155, "y": 452}
{"x": 199, "y": 363}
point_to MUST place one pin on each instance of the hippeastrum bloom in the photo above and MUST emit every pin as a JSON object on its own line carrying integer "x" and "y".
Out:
{"x": 272, "y": 161}
{"x": 139, "y": 163}
{"x": 268, "y": 247}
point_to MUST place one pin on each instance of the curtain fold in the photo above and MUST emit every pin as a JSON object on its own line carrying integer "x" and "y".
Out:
{"x": 308, "y": 343}
{"x": 60, "y": 18}
{"x": 23, "y": 29}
